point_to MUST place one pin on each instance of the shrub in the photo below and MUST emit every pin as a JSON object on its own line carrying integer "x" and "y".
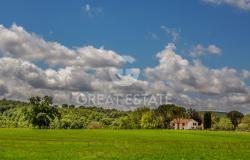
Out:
{"x": 245, "y": 124}
{"x": 150, "y": 120}
{"x": 95, "y": 125}
{"x": 224, "y": 124}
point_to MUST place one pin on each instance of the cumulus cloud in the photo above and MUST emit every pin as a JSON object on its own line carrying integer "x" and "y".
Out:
{"x": 16, "y": 42}
{"x": 241, "y": 4}
{"x": 245, "y": 74}
{"x": 71, "y": 72}
{"x": 194, "y": 81}
{"x": 200, "y": 50}
{"x": 186, "y": 77}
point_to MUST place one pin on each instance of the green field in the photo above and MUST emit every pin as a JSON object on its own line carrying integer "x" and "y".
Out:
{"x": 28, "y": 144}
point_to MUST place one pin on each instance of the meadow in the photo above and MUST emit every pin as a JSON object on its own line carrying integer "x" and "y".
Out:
{"x": 35, "y": 144}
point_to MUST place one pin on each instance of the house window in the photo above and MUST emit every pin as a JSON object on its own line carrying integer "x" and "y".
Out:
{"x": 183, "y": 124}
{"x": 194, "y": 124}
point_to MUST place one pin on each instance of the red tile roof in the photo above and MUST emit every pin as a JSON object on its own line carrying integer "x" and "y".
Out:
{"x": 181, "y": 121}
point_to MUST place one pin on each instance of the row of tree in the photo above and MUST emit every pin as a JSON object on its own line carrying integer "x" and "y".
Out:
{"x": 39, "y": 112}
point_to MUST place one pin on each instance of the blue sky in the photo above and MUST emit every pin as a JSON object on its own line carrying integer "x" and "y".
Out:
{"x": 126, "y": 27}
{"x": 196, "y": 52}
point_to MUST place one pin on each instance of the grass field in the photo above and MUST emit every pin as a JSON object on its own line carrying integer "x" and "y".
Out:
{"x": 28, "y": 144}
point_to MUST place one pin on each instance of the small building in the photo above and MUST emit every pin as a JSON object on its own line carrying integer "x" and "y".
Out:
{"x": 184, "y": 124}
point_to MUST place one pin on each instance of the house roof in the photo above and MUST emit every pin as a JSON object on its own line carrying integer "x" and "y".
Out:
{"x": 185, "y": 121}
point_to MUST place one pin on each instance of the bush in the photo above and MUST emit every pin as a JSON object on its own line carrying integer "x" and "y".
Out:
{"x": 150, "y": 120}
{"x": 123, "y": 123}
{"x": 224, "y": 124}
{"x": 95, "y": 125}
{"x": 245, "y": 124}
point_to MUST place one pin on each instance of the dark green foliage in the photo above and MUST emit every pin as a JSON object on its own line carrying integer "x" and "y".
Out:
{"x": 9, "y": 104}
{"x": 65, "y": 106}
{"x": 42, "y": 113}
{"x": 42, "y": 120}
{"x": 166, "y": 112}
{"x": 207, "y": 120}
{"x": 194, "y": 115}
{"x": 178, "y": 113}
{"x": 4, "y": 108}
{"x": 35, "y": 100}
{"x": 170, "y": 112}
{"x": 235, "y": 118}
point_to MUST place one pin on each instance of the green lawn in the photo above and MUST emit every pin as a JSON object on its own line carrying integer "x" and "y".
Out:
{"x": 28, "y": 144}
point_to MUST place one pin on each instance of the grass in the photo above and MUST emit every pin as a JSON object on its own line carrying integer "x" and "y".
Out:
{"x": 28, "y": 144}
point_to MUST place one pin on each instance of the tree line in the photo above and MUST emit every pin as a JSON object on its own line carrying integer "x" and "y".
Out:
{"x": 40, "y": 112}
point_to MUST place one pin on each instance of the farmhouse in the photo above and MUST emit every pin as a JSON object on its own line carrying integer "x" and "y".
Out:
{"x": 184, "y": 124}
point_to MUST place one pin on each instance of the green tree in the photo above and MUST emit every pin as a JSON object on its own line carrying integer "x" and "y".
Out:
{"x": 207, "y": 120}
{"x": 122, "y": 123}
{"x": 245, "y": 123}
{"x": 150, "y": 120}
{"x": 166, "y": 111}
{"x": 35, "y": 100}
{"x": 42, "y": 120}
{"x": 42, "y": 113}
{"x": 178, "y": 113}
{"x": 235, "y": 118}
{"x": 47, "y": 100}
{"x": 193, "y": 114}
{"x": 224, "y": 124}
{"x": 65, "y": 106}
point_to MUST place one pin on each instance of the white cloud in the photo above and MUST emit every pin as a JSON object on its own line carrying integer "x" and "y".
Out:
{"x": 172, "y": 32}
{"x": 245, "y": 74}
{"x": 241, "y": 4}
{"x": 200, "y": 50}
{"x": 16, "y": 42}
{"x": 213, "y": 49}
{"x": 196, "y": 82}
{"x": 72, "y": 71}
{"x": 78, "y": 69}
{"x": 91, "y": 11}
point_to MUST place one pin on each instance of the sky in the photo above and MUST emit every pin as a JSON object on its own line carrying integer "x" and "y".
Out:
{"x": 197, "y": 50}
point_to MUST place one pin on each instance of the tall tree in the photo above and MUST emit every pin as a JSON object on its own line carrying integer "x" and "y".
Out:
{"x": 165, "y": 110}
{"x": 150, "y": 120}
{"x": 35, "y": 100}
{"x": 235, "y": 118}
{"x": 42, "y": 113}
{"x": 47, "y": 100}
{"x": 192, "y": 113}
{"x": 207, "y": 120}
{"x": 178, "y": 113}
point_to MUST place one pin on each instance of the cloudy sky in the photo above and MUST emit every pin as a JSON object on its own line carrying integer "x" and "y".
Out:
{"x": 197, "y": 52}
